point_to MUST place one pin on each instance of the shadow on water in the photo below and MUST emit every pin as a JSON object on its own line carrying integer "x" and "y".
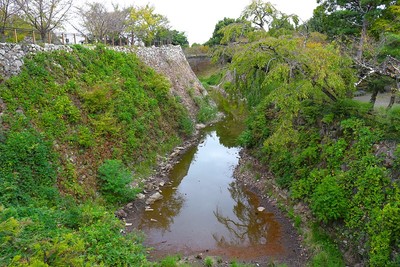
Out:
{"x": 205, "y": 209}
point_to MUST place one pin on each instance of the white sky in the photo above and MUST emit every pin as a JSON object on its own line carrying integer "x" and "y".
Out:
{"x": 197, "y": 18}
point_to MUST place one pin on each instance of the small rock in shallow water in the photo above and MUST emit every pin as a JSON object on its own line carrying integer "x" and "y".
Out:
{"x": 153, "y": 198}
{"x": 140, "y": 196}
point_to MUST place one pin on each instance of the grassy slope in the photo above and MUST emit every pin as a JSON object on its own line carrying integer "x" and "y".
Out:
{"x": 69, "y": 115}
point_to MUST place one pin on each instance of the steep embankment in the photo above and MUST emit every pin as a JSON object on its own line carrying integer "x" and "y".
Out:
{"x": 76, "y": 127}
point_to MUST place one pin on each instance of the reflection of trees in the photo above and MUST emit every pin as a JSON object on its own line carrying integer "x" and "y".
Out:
{"x": 229, "y": 130}
{"x": 249, "y": 227}
{"x": 172, "y": 201}
{"x": 233, "y": 125}
{"x": 180, "y": 170}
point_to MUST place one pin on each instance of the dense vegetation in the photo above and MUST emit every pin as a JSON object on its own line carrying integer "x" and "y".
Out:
{"x": 339, "y": 156}
{"x": 76, "y": 129}
{"x": 72, "y": 125}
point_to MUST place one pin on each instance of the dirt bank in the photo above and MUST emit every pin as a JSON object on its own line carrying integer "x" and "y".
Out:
{"x": 258, "y": 179}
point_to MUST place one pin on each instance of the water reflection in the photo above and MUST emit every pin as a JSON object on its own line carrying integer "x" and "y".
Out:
{"x": 248, "y": 226}
{"x": 205, "y": 209}
{"x": 165, "y": 211}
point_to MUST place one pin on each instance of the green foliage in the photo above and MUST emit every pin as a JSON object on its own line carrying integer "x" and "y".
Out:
{"x": 70, "y": 234}
{"x": 394, "y": 119}
{"x": 207, "y": 110}
{"x": 328, "y": 253}
{"x": 208, "y": 261}
{"x": 66, "y": 113}
{"x": 328, "y": 201}
{"x": 214, "y": 79}
{"x": 26, "y": 168}
{"x": 179, "y": 38}
{"x": 187, "y": 125}
{"x": 115, "y": 179}
{"x": 217, "y": 33}
{"x": 169, "y": 261}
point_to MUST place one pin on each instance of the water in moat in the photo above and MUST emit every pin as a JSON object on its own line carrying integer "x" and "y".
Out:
{"x": 205, "y": 210}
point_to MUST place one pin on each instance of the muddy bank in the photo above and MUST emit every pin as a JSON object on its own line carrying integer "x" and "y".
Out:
{"x": 259, "y": 180}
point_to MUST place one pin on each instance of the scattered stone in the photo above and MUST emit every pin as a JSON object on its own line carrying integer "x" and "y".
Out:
{"x": 153, "y": 220}
{"x": 200, "y": 126}
{"x": 161, "y": 184}
{"x": 149, "y": 210}
{"x": 121, "y": 214}
{"x": 140, "y": 196}
{"x": 260, "y": 209}
{"x": 199, "y": 256}
{"x": 153, "y": 198}
{"x": 128, "y": 224}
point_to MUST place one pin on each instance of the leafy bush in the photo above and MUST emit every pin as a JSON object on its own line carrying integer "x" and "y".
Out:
{"x": 394, "y": 119}
{"x": 328, "y": 202}
{"x": 26, "y": 168}
{"x": 115, "y": 180}
{"x": 187, "y": 126}
{"x": 207, "y": 111}
{"x": 85, "y": 136}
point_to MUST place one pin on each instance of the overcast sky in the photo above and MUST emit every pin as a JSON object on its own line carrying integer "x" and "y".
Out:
{"x": 197, "y": 18}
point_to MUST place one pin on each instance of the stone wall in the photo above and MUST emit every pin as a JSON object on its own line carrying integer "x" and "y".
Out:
{"x": 12, "y": 56}
{"x": 167, "y": 60}
{"x": 199, "y": 63}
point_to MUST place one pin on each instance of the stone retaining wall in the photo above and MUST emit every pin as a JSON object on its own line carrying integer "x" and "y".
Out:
{"x": 167, "y": 60}
{"x": 12, "y": 56}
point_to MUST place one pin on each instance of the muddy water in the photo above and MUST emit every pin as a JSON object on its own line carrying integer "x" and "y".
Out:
{"x": 205, "y": 210}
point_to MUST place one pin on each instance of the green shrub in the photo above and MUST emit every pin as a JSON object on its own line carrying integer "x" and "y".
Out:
{"x": 26, "y": 168}
{"x": 85, "y": 136}
{"x": 208, "y": 261}
{"x": 207, "y": 111}
{"x": 115, "y": 179}
{"x": 328, "y": 202}
{"x": 186, "y": 125}
{"x": 304, "y": 188}
{"x": 394, "y": 119}
{"x": 169, "y": 261}
{"x": 328, "y": 253}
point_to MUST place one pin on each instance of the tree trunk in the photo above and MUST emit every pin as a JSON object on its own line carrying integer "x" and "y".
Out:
{"x": 43, "y": 34}
{"x": 391, "y": 102}
{"x": 362, "y": 39}
{"x": 373, "y": 97}
{"x": 392, "y": 98}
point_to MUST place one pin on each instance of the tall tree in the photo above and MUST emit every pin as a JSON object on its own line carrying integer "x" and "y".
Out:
{"x": 358, "y": 14}
{"x": 118, "y": 21}
{"x": 217, "y": 34}
{"x": 94, "y": 17}
{"x": 45, "y": 15}
{"x": 260, "y": 13}
{"x": 145, "y": 23}
{"x": 179, "y": 38}
{"x": 8, "y": 9}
